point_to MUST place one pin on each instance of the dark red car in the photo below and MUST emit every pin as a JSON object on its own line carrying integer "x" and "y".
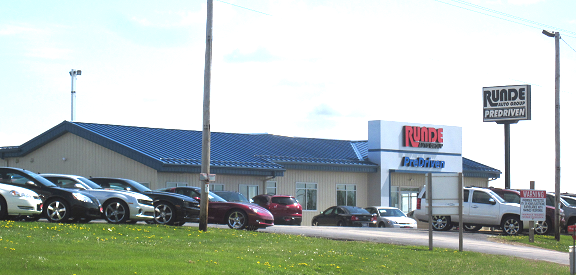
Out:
{"x": 541, "y": 228}
{"x": 236, "y": 215}
{"x": 286, "y": 209}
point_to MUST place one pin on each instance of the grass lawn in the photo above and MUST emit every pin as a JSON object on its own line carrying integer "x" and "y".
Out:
{"x": 543, "y": 241}
{"x": 96, "y": 248}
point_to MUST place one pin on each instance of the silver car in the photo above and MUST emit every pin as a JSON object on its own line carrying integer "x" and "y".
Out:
{"x": 118, "y": 206}
{"x": 18, "y": 201}
{"x": 391, "y": 217}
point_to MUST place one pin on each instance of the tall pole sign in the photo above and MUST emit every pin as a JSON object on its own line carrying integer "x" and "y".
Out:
{"x": 506, "y": 105}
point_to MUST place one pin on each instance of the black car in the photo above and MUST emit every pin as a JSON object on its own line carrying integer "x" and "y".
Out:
{"x": 169, "y": 208}
{"x": 345, "y": 216}
{"x": 60, "y": 205}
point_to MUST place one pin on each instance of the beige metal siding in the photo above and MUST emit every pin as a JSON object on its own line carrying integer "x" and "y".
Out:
{"x": 71, "y": 154}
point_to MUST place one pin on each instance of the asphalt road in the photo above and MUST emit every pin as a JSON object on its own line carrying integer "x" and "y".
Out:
{"x": 482, "y": 241}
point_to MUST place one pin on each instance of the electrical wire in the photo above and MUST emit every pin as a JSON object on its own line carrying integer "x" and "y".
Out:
{"x": 243, "y": 7}
{"x": 568, "y": 44}
{"x": 502, "y": 15}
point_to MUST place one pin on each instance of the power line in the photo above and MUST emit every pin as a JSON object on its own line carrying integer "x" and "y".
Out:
{"x": 568, "y": 44}
{"x": 511, "y": 18}
{"x": 243, "y": 7}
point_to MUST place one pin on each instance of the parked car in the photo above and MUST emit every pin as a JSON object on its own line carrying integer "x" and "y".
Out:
{"x": 480, "y": 207}
{"x": 232, "y": 196}
{"x": 236, "y": 215}
{"x": 345, "y": 216}
{"x": 118, "y": 206}
{"x": 18, "y": 202}
{"x": 540, "y": 227}
{"x": 569, "y": 210}
{"x": 286, "y": 209}
{"x": 169, "y": 208}
{"x": 391, "y": 217}
{"x": 59, "y": 205}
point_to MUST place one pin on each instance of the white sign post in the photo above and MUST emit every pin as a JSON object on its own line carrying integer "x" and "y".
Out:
{"x": 532, "y": 205}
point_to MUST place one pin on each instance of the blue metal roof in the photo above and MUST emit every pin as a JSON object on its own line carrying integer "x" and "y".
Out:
{"x": 170, "y": 150}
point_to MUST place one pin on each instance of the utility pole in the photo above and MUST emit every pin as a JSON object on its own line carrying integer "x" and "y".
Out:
{"x": 73, "y": 74}
{"x": 205, "y": 169}
{"x": 556, "y": 36}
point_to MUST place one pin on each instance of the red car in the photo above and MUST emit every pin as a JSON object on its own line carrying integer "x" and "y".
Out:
{"x": 540, "y": 228}
{"x": 286, "y": 209}
{"x": 236, "y": 215}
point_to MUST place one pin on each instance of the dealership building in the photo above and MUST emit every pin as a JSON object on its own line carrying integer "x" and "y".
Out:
{"x": 388, "y": 169}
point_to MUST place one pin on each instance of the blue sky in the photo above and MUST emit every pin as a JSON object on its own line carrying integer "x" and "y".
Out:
{"x": 319, "y": 69}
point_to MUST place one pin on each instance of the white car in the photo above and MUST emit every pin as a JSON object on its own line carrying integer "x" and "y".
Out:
{"x": 118, "y": 206}
{"x": 391, "y": 217}
{"x": 18, "y": 201}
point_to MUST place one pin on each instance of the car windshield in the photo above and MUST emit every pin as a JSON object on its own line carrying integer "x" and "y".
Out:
{"x": 138, "y": 186}
{"x": 232, "y": 196}
{"x": 90, "y": 183}
{"x": 391, "y": 213}
{"x": 215, "y": 198}
{"x": 356, "y": 210}
{"x": 42, "y": 180}
{"x": 284, "y": 200}
{"x": 571, "y": 201}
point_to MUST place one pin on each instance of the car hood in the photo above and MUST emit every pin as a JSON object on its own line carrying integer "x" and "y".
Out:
{"x": 138, "y": 196}
{"x": 400, "y": 219}
{"x": 174, "y": 195}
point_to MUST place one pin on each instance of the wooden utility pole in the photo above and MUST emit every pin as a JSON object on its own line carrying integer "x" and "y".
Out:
{"x": 205, "y": 169}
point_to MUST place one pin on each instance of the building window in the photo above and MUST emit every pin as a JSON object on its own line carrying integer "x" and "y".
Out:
{"x": 271, "y": 187}
{"x": 394, "y": 201}
{"x": 216, "y": 187}
{"x": 307, "y": 195}
{"x": 346, "y": 194}
{"x": 175, "y": 184}
{"x": 249, "y": 191}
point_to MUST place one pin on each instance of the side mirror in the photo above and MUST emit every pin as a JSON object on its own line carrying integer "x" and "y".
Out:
{"x": 128, "y": 189}
{"x": 492, "y": 201}
{"x": 79, "y": 186}
{"x": 31, "y": 183}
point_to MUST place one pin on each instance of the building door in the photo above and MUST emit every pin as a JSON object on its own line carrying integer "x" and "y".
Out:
{"x": 249, "y": 191}
{"x": 408, "y": 198}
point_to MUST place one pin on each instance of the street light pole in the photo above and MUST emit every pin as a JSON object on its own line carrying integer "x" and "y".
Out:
{"x": 556, "y": 36}
{"x": 205, "y": 168}
{"x": 73, "y": 74}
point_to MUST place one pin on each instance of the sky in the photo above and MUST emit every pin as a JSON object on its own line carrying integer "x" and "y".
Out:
{"x": 316, "y": 69}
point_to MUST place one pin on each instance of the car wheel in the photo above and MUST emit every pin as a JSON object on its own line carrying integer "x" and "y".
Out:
{"x": 315, "y": 223}
{"x": 441, "y": 223}
{"x": 511, "y": 225}
{"x": 3, "y": 209}
{"x": 237, "y": 219}
{"x": 381, "y": 225}
{"x": 57, "y": 210}
{"x": 543, "y": 227}
{"x": 164, "y": 213}
{"x": 340, "y": 223}
{"x": 116, "y": 211}
{"x": 472, "y": 227}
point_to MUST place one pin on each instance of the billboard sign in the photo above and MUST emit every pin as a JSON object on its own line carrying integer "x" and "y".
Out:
{"x": 506, "y": 103}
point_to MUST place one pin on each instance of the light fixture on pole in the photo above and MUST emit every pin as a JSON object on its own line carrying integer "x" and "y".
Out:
{"x": 556, "y": 36}
{"x": 73, "y": 74}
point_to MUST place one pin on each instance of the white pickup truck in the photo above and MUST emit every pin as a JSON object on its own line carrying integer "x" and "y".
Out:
{"x": 480, "y": 207}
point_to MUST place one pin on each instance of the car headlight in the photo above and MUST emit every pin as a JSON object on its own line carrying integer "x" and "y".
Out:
{"x": 16, "y": 193}
{"x": 81, "y": 197}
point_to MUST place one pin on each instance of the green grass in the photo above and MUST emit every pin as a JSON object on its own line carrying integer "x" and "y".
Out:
{"x": 45, "y": 248}
{"x": 543, "y": 241}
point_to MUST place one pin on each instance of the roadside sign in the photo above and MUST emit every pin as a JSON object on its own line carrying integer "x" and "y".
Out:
{"x": 532, "y": 205}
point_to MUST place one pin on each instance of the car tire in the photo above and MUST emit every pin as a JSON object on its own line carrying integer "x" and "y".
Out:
{"x": 511, "y": 225}
{"x": 164, "y": 213}
{"x": 237, "y": 219}
{"x": 381, "y": 225}
{"x": 472, "y": 227}
{"x": 57, "y": 210}
{"x": 314, "y": 223}
{"x": 441, "y": 223}
{"x": 3, "y": 209}
{"x": 116, "y": 211}
{"x": 543, "y": 227}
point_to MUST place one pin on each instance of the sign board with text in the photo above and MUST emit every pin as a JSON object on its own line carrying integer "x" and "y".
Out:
{"x": 532, "y": 205}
